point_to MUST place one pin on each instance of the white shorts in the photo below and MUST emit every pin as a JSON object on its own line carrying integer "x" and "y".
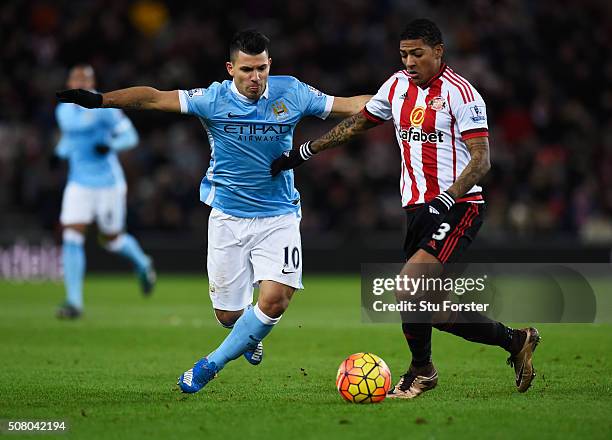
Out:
{"x": 244, "y": 251}
{"x": 83, "y": 205}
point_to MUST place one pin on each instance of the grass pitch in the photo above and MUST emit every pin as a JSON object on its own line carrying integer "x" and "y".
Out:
{"x": 112, "y": 374}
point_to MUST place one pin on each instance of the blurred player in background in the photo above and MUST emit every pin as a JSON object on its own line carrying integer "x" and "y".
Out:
{"x": 253, "y": 233}
{"x": 441, "y": 127}
{"x": 96, "y": 189}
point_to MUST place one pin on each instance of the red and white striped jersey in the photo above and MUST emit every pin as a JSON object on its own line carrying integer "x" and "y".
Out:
{"x": 432, "y": 123}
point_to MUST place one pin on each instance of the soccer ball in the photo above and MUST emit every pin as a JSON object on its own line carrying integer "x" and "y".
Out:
{"x": 363, "y": 378}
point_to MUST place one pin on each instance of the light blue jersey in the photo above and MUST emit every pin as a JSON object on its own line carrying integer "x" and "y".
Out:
{"x": 82, "y": 129}
{"x": 245, "y": 136}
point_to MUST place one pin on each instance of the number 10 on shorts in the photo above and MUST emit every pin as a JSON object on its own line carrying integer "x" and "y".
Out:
{"x": 295, "y": 257}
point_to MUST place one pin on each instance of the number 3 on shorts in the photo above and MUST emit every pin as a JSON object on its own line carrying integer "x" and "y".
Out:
{"x": 441, "y": 232}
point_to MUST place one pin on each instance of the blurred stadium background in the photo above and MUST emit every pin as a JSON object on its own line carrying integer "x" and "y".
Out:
{"x": 542, "y": 67}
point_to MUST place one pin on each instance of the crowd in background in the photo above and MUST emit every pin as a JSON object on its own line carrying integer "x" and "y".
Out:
{"x": 542, "y": 67}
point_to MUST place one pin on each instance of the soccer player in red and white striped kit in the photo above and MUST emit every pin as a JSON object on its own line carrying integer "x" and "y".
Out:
{"x": 441, "y": 127}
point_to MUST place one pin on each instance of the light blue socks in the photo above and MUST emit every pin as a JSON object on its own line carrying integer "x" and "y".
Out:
{"x": 73, "y": 258}
{"x": 127, "y": 246}
{"x": 248, "y": 331}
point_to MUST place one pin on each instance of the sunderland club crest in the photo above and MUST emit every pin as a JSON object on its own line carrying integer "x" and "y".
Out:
{"x": 438, "y": 103}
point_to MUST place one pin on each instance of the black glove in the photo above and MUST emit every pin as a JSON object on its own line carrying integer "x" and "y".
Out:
{"x": 292, "y": 159}
{"x": 433, "y": 213}
{"x": 84, "y": 98}
{"x": 102, "y": 149}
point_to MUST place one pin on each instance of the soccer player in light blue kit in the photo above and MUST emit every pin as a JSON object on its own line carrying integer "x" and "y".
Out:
{"x": 95, "y": 190}
{"x": 253, "y": 233}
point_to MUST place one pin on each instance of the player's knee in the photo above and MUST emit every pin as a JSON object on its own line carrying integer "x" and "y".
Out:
{"x": 274, "y": 307}
{"x": 422, "y": 265}
{"x": 274, "y": 298}
{"x": 70, "y": 235}
{"x": 227, "y": 318}
{"x": 425, "y": 263}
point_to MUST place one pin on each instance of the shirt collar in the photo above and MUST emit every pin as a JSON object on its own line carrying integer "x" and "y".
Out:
{"x": 244, "y": 98}
{"x": 435, "y": 77}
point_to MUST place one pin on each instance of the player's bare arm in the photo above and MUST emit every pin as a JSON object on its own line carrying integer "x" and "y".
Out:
{"x": 132, "y": 98}
{"x": 476, "y": 168}
{"x": 143, "y": 98}
{"x": 340, "y": 134}
{"x": 344, "y": 107}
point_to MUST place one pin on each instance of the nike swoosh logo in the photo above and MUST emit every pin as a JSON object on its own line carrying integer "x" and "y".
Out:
{"x": 287, "y": 273}
{"x": 232, "y": 115}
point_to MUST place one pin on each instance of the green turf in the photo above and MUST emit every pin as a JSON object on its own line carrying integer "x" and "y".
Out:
{"x": 111, "y": 374}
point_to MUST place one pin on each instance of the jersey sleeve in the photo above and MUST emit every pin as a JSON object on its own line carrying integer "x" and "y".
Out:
{"x": 116, "y": 121}
{"x": 313, "y": 102}
{"x": 123, "y": 135}
{"x": 471, "y": 116}
{"x": 198, "y": 102}
{"x": 64, "y": 146}
{"x": 62, "y": 118}
{"x": 378, "y": 108}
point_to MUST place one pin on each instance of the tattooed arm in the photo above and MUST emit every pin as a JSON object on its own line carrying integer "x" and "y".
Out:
{"x": 142, "y": 98}
{"x": 340, "y": 134}
{"x": 436, "y": 209}
{"x": 475, "y": 170}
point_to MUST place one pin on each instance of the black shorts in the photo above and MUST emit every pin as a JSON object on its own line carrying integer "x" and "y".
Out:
{"x": 448, "y": 241}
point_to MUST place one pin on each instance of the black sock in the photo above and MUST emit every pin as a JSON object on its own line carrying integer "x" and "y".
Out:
{"x": 418, "y": 336}
{"x": 475, "y": 327}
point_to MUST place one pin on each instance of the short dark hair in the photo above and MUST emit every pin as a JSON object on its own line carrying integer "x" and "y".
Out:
{"x": 422, "y": 29}
{"x": 250, "y": 42}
